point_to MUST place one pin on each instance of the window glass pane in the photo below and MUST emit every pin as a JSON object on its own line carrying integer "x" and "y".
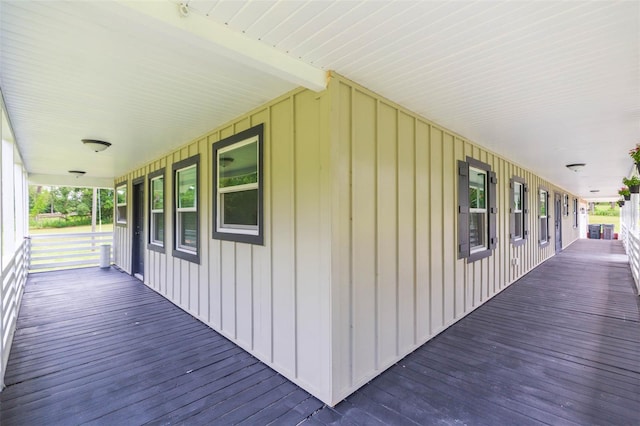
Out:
{"x": 238, "y": 166}
{"x": 158, "y": 227}
{"x": 187, "y": 187}
{"x": 240, "y": 208}
{"x": 122, "y": 213}
{"x": 543, "y": 229}
{"x": 517, "y": 196}
{"x": 477, "y": 189}
{"x": 188, "y": 229}
{"x": 157, "y": 189}
{"x": 518, "y": 230}
{"x": 543, "y": 203}
{"x": 477, "y": 230}
{"x": 121, "y": 195}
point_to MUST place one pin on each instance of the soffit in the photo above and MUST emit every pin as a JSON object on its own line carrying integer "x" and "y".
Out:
{"x": 542, "y": 83}
{"x": 100, "y": 70}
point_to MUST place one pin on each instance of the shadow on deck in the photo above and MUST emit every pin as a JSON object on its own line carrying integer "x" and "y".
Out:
{"x": 560, "y": 346}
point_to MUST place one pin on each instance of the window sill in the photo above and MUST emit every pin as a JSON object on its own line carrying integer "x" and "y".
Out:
{"x": 155, "y": 247}
{"x": 190, "y": 257}
{"x": 239, "y": 238}
{"x": 543, "y": 244}
{"x": 518, "y": 243}
{"x": 121, "y": 224}
{"x": 479, "y": 255}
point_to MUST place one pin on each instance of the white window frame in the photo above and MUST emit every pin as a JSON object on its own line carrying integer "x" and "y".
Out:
{"x": 575, "y": 212}
{"x": 121, "y": 220}
{"x": 220, "y": 191}
{"x": 520, "y": 210}
{"x": 484, "y": 211}
{"x": 179, "y": 210}
{"x": 241, "y": 233}
{"x": 544, "y": 193}
{"x": 154, "y": 212}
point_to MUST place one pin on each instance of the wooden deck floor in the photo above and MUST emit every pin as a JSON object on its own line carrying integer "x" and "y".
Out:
{"x": 561, "y": 346}
{"x": 97, "y": 346}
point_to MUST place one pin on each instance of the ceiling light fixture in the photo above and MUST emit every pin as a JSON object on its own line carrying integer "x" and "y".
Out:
{"x": 96, "y": 145}
{"x": 595, "y": 190}
{"x": 576, "y": 167}
{"x": 77, "y": 173}
{"x": 225, "y": 161}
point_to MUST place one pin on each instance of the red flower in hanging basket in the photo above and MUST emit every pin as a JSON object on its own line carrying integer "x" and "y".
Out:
{"x": 635, "y": 153}
{"x": 624, "y": 191}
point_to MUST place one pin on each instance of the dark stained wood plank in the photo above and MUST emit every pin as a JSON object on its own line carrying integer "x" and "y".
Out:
{"x": 286, "y": 410}
{"x": 97, "y": 346}
{"x": 560, "y": 346}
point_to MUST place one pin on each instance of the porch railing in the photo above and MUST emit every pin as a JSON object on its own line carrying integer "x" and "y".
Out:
{"x": 64, "y": 251}
{"x": 13, "y": 277}
{"x": 631, "y": 242}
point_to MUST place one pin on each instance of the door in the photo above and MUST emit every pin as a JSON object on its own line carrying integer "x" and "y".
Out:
{"x": 558, "y": 222}
{"x": 137, "y": 246}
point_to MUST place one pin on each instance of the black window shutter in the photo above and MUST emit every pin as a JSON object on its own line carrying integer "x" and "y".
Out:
{"x": 525, "y": 211}
{"x": 512, "y": 215}
{"x": 463, "y": 210}
{"x": 493, "y": 211}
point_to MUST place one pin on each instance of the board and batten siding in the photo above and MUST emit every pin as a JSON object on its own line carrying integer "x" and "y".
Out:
{"x": 396, "y": 280}
{"x": 271, "y": 300}
{"x": 359, "y": 265}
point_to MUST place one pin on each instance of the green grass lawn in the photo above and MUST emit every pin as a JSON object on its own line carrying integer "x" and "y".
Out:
{"x": 72, "y": 229}
{"x": 610, "y": 220}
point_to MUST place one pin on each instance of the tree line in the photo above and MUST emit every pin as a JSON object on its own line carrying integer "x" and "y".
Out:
{"x": 70, "y": 202}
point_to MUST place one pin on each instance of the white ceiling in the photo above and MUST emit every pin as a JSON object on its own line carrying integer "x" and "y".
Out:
{"x": 542, "y": 83}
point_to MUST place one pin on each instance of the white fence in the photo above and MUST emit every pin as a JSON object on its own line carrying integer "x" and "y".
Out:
{"x": 14, "y": 276}
{"x": 64, "y": 251}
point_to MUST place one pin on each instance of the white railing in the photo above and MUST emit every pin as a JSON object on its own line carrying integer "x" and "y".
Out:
{"x": 631, "y": 241}
{"x": 624, "y": 235}
{"x": 65, "y": 251}
{"x": 14, "y": 276}
{"x": 630, "y": 236}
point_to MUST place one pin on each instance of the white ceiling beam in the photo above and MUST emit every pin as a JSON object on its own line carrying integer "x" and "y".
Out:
{"x": 68, "y": 180}
{"x": 233, "y": 45}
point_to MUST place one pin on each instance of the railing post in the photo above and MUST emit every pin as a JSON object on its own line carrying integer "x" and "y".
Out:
{"x": 27, "y": 253}
{"x": 624, "y": 226}
{"x": 635, "y": 217}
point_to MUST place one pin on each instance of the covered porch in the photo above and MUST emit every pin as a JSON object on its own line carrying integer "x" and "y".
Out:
{"x": 559, "y": 346}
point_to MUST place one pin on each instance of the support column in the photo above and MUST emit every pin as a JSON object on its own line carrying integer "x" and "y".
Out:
{"x": 624, "y": 224}
{"x": 634, "y": 213}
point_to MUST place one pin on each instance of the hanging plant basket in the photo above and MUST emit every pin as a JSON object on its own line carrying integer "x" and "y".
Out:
{"x": 634, "y": 189}
{"x": 620, "y": 203}
{"x": 627, "y": 197}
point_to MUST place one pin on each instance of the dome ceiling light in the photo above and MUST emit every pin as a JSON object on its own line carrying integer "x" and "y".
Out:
{"x": 576, "y": 167}
{"x": 96, "y": 145}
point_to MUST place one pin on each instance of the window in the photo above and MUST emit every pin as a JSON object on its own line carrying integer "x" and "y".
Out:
{"x": 477, "y": 210}
{"x": 238, "y": 186}
{"x": 575, "y": 212}
{"x": 185, "y": 200}
{"x": 565, "y": 204}
{"x": 518, "y": 211}
{"x": 543, "y": 214}
{"x": 121, "y": 204}
{"x": 478, "y": 217}
{"x": 156, "y": 209}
